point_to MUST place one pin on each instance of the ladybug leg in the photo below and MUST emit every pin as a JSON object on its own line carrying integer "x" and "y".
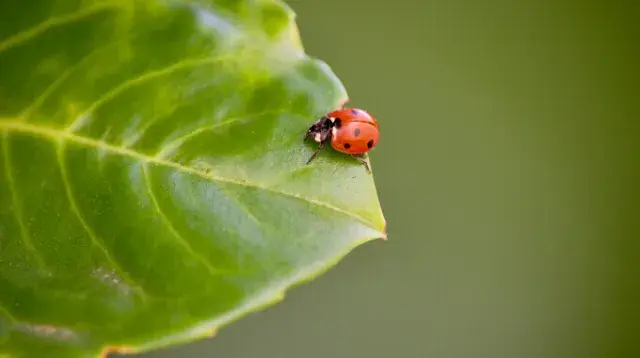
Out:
{"x": 363, "y": 161}
{"x": 316, "y": 152}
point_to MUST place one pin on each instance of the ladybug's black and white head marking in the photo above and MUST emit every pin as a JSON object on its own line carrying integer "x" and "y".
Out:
{"x": 321, "y": 130}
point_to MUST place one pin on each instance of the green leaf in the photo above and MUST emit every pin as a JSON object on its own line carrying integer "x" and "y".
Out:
{"x": 153, "y": 184}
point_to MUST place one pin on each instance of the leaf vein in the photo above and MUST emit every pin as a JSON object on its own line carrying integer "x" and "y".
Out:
{"x": 5, "y": 311}
{"x": 176, "y": 143}
{"x": 180, "y": 65}
{"x": 42, "y": 27}
{"x": 242, "y": 206}
{"x": 17, "y": 206}
{"x": 10, "y": 124}
{"x": 55, "y": 85}
{"x": 74, "y": 207}
{"x": 212, "y": 270}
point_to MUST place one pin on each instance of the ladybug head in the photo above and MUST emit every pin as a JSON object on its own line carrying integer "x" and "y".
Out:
{"x": 320, "y": 131}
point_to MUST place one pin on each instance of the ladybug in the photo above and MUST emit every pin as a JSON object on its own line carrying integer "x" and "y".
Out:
{"x": 351, "y": 130}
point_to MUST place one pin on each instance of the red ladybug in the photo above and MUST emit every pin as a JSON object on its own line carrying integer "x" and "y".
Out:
{"x": 350, "y": 130}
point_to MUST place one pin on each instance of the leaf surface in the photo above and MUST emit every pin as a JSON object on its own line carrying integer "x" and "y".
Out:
{"x": 153, "y": 184}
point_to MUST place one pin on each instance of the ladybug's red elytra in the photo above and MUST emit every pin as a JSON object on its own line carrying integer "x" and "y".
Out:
{"x": 351, "y": 130}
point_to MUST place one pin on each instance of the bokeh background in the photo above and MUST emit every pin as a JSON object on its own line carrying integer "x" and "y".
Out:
{"x": 508, "y": 174}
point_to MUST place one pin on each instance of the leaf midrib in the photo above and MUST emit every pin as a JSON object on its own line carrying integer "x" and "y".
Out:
{"x": 17, "y": 125}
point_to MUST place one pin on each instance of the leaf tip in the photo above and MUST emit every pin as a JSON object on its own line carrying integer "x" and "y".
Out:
{"x": 343, "y": 101}
{"x": 384, "y": 230}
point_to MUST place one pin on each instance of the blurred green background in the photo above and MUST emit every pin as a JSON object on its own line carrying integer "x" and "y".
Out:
{"x": 508, "y": 174}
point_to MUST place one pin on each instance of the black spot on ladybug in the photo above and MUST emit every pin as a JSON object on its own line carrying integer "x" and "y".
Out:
{"x": 337, "y": 123}
{"x": 356, "y": 132}
{"x": 347, "y": 146}
{"x": 354, "y": 112}
{"x": 370, "y": 143}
